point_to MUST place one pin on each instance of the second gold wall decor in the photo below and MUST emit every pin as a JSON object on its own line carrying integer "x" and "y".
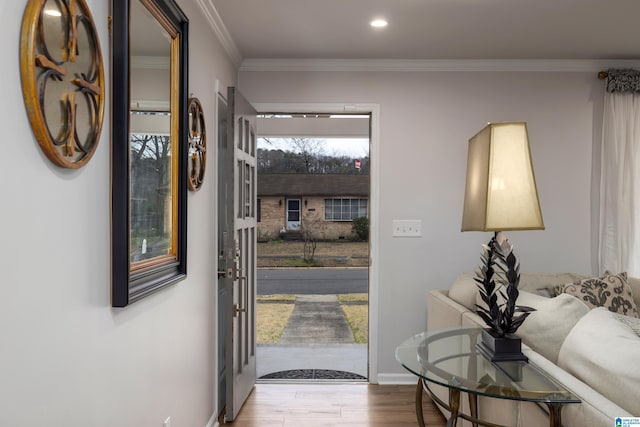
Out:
{"x": 197, "y": 145}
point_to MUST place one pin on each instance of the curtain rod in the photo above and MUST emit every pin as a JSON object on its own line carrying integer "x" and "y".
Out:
{"x": 603, "y": 75}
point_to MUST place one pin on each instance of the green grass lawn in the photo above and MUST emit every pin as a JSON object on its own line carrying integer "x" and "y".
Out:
{"x": 279, "y": 253}
{"x": 358, "y": 319}
{"x": 272, "y": 319}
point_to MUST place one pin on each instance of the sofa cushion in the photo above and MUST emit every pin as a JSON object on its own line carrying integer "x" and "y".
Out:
{"x": 546, "y": 328}
{"x": 610, "y": 291}
{"x": 604, "y": 352}
{"x": 464, "y": 290}
{"x": 538, "y": 282}
{"x": 595, "y": 408}
{"x": 632, "y": 322}
{"x": 634, "y": 283}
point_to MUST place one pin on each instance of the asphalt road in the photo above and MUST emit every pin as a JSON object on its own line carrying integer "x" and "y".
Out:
{"x": 303, "y": 281}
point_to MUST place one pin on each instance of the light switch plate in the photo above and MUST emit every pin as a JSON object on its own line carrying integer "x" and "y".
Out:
{"x": 407, "y": 228}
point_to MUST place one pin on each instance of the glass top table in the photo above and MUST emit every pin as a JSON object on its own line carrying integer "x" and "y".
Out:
{"x": 450, "y": 358}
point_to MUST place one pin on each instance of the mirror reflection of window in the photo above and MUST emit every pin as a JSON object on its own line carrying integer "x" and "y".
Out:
{"x": 150, "y": 195}
{"x": 151, "y": 184}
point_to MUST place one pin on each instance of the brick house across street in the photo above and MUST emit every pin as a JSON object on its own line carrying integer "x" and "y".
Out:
{"x": 324, "y": 204}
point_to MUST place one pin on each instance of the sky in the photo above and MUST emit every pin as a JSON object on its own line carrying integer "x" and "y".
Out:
{"x": 353, "y": 147}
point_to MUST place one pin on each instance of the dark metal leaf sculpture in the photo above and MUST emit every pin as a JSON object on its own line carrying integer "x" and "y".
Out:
{"x": 505, "y": 317}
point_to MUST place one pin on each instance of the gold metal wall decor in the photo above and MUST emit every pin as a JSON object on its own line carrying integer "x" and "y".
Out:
{"x": 197, "y": 145}
{"x": 62, "y": 79}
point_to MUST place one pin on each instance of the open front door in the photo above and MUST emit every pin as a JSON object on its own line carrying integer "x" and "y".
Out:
{"x": 238, "y": 256}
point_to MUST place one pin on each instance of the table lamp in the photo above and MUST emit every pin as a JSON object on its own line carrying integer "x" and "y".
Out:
{"x": 500, "y": 195}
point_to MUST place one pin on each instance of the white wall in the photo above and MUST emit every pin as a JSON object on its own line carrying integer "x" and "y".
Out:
{"x": 66, "y": 357}
{"x": 425, "y": 122}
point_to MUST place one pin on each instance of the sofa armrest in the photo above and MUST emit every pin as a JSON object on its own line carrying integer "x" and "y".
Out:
{"x": 442, "y": 311}
{"x": 471, "y": 319}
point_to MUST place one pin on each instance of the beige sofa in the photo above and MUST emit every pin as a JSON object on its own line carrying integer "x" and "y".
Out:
{"x": 590, "y": 351}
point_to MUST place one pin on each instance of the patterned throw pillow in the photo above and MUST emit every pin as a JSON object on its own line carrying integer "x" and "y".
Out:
{"x": 611, "y": 291}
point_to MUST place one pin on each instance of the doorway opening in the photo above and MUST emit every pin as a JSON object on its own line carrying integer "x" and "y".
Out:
{"x": 313, "y": 247}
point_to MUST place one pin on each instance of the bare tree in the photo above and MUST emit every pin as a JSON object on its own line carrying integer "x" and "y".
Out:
{"x": 312, "y": 229}
{"x": 150, "y": 183}
{"x": 307, "y": 155}
{"x": 309, "y": 149}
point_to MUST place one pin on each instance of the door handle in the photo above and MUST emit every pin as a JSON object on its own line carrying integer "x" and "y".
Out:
{"x": 232, "y": 272}
{"x": 229, "y": 273}
{"x": 237, "y": 309}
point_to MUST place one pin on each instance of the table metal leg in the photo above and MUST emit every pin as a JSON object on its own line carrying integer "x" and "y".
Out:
{"x": 473, "y": 407}
{"x": 555, "y": 414}
{"x": 454, "y": 405}
{"x": 419, "y": 412}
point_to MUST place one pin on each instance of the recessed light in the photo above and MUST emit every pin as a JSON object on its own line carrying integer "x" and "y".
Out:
{"x": 379, "y": 23}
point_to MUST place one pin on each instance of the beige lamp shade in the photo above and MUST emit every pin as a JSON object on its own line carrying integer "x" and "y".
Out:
{"x": 501, "y": 192}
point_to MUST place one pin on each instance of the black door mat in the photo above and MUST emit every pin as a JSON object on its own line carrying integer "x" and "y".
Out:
{"x": 312, "y": 374}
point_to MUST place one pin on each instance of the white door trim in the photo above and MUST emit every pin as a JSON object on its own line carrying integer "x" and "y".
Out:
{"x": 374, "y": 203}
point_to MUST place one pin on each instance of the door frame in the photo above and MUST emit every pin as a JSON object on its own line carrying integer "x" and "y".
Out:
{"x": 374, "y": 202}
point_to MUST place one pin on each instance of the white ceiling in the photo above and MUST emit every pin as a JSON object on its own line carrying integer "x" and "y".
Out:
{"x": 433, "y": 29}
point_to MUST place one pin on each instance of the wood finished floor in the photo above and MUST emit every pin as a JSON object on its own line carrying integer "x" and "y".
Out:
{"x": 322, "y": 405}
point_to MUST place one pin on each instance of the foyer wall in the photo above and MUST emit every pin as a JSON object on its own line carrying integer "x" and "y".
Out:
{"x": 66, "y": 357}
{"x": 426, "y": 120}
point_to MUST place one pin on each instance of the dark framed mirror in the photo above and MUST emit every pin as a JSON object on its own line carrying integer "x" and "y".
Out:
{"x": 149, "y": 148}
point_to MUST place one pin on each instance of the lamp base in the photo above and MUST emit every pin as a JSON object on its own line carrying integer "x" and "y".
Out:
{"x": 501, "y": 349}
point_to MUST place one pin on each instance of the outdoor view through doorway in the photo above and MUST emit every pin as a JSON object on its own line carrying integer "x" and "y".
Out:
{"x": 313, "y": 247}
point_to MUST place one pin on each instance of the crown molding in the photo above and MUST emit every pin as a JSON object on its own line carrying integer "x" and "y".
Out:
{"x": 427, "y": 65}
{"x": 212, "y": 15}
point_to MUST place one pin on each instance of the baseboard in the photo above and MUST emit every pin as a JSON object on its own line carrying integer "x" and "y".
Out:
{"x": 213, "y": 421}
{"x": 396, "y": 379}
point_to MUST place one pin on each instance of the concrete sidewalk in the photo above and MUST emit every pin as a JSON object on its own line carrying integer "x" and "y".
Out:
{"x": 317, "y": 319}
{"x": 316, "y": 337}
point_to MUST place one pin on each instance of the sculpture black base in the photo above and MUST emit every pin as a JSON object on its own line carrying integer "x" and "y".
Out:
{"x": 501, "y": 349}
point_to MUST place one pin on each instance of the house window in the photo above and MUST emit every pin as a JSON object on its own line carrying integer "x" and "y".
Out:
{"x": 344, "y": 209}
